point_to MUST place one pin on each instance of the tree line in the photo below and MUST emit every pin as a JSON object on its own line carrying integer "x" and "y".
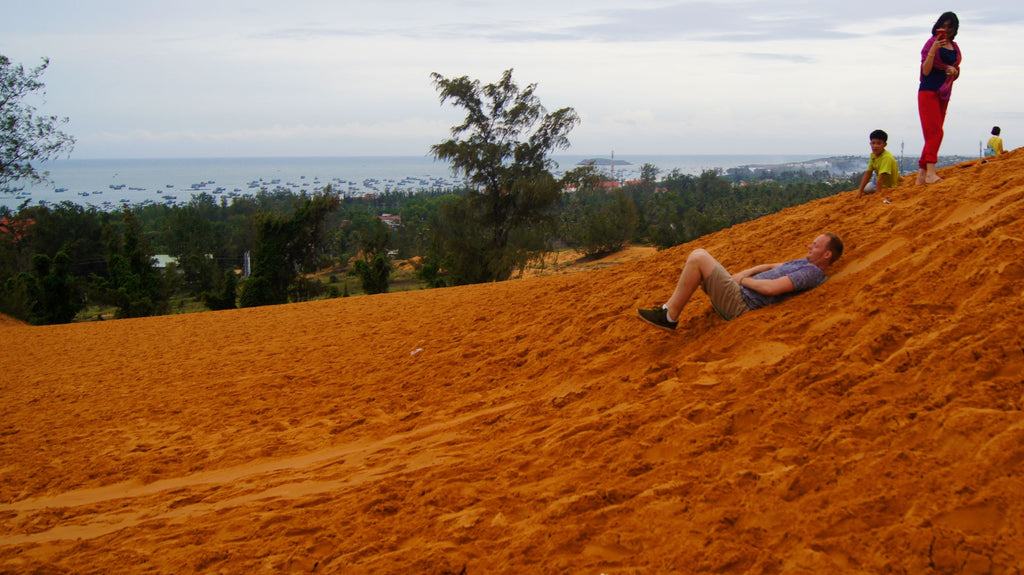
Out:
{"x": 55, "y": 260}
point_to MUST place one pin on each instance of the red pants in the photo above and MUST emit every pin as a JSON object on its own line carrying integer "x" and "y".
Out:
{"x": 933, "y": 114}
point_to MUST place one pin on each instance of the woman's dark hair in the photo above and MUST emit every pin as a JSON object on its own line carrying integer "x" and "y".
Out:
{"x": 954, "y": 24}
{"x": 995, "y": 130}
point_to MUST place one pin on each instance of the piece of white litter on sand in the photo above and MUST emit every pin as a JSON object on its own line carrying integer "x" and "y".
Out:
{"x": 415, "y": 351}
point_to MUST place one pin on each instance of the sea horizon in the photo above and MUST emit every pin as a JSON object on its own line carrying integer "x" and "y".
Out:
{"x": 108, "y": 183}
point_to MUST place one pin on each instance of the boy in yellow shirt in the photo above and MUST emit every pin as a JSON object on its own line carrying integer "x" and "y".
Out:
{"x": 881, "y": 163}
{"x": 995, "y": 143}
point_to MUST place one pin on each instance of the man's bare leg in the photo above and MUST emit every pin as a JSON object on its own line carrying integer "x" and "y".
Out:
{"x": 699, "y": 265}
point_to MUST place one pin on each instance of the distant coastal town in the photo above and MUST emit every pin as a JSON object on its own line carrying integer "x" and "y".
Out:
{"x": 835, "y": 166}
{"x": 848, "y": 165}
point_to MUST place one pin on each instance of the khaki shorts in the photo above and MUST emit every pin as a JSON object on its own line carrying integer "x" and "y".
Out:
{"x": 725, "y": 294}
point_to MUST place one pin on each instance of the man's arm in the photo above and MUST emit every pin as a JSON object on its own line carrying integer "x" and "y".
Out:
{"x": 750, "y": 272}
{"x": 777, "y": 286}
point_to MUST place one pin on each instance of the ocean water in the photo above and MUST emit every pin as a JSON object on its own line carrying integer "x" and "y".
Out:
{"x": 107, "y": 184}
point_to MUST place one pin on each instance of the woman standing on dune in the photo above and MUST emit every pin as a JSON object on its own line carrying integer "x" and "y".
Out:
{"x": 940, "y": 67}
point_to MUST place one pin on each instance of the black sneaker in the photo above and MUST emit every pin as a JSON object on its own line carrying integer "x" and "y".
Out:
{"x": 657, "y": 316}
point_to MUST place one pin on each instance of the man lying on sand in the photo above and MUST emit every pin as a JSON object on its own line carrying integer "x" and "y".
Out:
{"x": 736, "y": 294}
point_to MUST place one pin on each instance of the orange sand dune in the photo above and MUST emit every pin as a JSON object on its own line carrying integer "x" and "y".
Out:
{"x": 872, "y": 425}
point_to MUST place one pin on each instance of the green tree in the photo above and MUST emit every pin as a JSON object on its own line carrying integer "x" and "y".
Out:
{"x": 502, "y": 147}
{"x": 594, "y": 221}
{"x": 189, "y": 235}
{"x": 597, "y": 222}
{"x": 15, "y": 259}
{"x": 47, "y": 231}
{"x": 56, "y": 297}
{"x": 225, "y": 297}
{"x": 649, "y": 173}
{"x": 133, "y": 284}
{"x": 285, "y": 247}
{"x": 25, "y": 138}
{"x": 412, "y": 237}
{"x": 374, "y": 266}
{"x": 374, "y": 273}
{"x": 73, "y": 229}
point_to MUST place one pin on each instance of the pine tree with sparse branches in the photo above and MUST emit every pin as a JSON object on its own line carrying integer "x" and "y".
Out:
{"x": 503, "y": 148}
{"x": 26, "y": 138}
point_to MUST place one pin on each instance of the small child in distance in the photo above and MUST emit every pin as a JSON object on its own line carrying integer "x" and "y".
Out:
{"x": 882, "y": 164}
{"x": 995, "y": 143}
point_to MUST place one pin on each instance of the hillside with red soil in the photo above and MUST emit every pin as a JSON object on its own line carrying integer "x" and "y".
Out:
{"x": 872, "y": 425}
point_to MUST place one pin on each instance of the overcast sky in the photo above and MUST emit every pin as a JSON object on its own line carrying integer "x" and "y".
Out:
{"x": 212, "y": 78}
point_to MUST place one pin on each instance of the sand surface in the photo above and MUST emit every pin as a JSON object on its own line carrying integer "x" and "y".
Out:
{"x": 872, "y": 425}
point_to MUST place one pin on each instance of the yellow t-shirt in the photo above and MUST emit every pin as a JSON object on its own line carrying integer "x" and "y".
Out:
{"x": 885, "y": 163}
{"x": 995, "y": 143}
